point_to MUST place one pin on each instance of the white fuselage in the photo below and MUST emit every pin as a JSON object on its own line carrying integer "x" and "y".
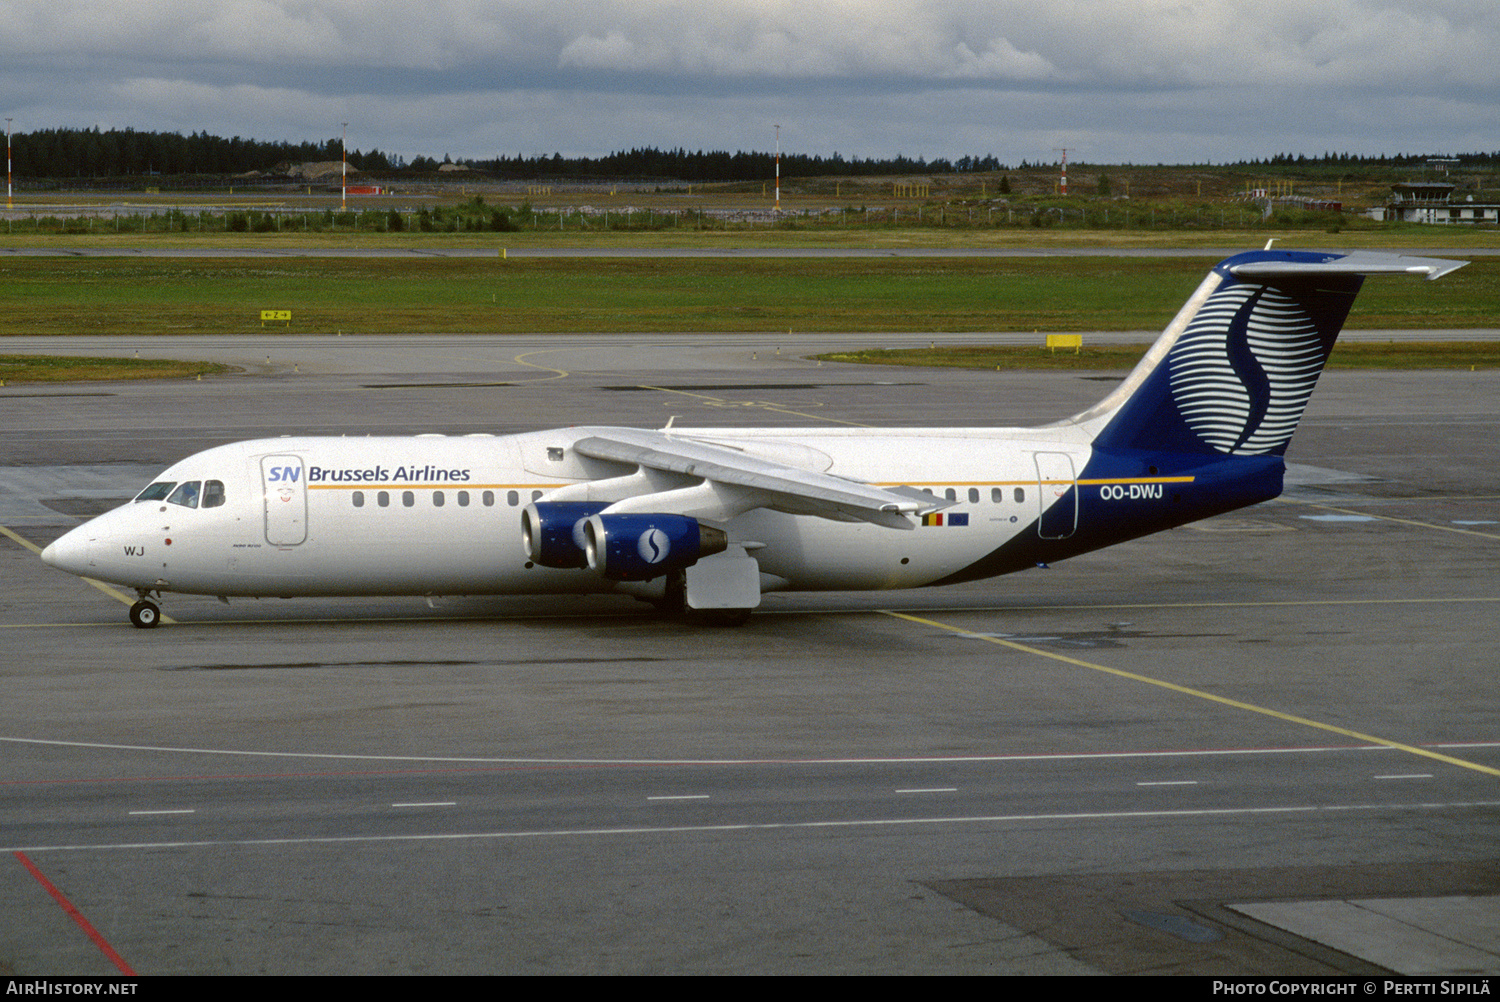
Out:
{"x": 441, "y": 515}
{"x": 708, "y": 519}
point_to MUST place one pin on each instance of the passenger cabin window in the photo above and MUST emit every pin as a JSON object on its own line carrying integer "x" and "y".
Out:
{"x": 383, "y": 498}
{"x": 951, "y": 494}
{"x": 1020, "y": 495}
{"x": 973, "y": 495}
{"x": 359, "y": 499}
{"x": 157, "y": 491}
{"x": 996, "y": 495}
{"x": 488, "y": 497}
{"x": 186, "y": 494}
{"x": 463, "y": 499}
{"x": 437, "y": 499}
{"x": 408, "y": 498}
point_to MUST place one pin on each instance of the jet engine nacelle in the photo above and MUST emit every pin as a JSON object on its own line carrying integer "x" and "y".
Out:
{"x": 553, "y": 531}
{"x": 642, "y": 547}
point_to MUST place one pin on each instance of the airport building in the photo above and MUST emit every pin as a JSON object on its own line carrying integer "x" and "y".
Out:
{"x": 1433, "y": 202}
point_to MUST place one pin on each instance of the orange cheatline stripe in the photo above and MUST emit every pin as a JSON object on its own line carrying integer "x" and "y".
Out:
{"x": 371, "y": 485}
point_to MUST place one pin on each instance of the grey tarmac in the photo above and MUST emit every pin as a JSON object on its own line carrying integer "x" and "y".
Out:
{"x": 1226, "y": 749}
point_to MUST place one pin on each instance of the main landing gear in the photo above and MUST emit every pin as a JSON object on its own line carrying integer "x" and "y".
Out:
{"x": 145, "y": 614}
{"x": 673, "y": 605}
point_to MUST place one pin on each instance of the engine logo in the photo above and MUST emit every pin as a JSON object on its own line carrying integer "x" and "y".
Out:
{"x": 654, "y": 545}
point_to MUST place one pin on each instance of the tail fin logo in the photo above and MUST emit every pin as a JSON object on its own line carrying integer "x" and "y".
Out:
{"x": 1244, "y": 368}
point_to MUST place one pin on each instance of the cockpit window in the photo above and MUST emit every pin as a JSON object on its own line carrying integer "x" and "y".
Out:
{"x": 213, "y": 493}
{"x": 156, "y": 491}
{"x": 186, "y": 494}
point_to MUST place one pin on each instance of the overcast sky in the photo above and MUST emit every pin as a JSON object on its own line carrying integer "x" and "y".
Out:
{"x": 1145, "y": 81}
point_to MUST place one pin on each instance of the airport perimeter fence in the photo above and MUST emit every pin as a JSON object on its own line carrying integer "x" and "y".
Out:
{"x": 475, "y": 217}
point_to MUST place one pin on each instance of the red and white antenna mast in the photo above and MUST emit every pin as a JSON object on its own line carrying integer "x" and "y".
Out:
{"x": 1064, "y": 187}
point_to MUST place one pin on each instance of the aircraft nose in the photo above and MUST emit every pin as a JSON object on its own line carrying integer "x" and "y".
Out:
{"x": 69, "y": 552}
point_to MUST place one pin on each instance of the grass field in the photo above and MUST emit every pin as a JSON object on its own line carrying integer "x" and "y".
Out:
{"x": 58, "y": 369}
{"x": 155, "y": 296}
{"x": 1346, "y": 355}
{"x": 1408, "y": 237}
{"x": 17, "y": 369}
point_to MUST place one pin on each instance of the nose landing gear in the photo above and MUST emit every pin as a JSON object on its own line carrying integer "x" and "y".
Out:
{"x": 145, "y": 614}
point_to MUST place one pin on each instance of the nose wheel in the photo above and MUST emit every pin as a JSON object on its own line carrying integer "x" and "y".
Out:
{"x": 144, "y": 615}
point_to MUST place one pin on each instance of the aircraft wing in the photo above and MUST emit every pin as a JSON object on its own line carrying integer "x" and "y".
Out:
{"x": 730, "y": 482}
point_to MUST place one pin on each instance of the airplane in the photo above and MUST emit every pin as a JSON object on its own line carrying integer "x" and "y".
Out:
{"x": 709, "y": 519}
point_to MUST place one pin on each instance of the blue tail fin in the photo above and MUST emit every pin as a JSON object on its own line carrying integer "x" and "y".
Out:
{"x": 1200, "y": 426}
{"x": 1232, "y": 374}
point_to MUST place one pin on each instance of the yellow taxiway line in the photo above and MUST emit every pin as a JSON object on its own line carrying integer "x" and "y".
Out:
{"x": 1198, "y": 693}
{"x": 109, "y": 590}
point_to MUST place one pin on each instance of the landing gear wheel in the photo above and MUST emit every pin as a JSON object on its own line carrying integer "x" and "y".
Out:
{"x": 144, "y": 615}
{"x": 673, "y": 603}
{"x": 725, "y": 617}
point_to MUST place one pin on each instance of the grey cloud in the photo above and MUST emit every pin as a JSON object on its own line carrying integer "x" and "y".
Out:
{"x": 1151, "y": 80}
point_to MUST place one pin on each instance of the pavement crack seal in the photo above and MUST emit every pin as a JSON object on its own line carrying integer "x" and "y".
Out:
{"x": 1198, "y": 693}
{"x": 713, "y": 401}
{"x": 1389, "y": 518}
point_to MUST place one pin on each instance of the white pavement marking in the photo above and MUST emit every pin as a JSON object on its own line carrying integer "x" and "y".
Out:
{"x": 871, "y": 760}
{"x": 682, "y": 796}
{"x": 177, "y": 811}
{"x": 1227, "y": 812}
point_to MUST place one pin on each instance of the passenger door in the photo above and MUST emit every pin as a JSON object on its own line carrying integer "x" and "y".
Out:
{"x": 285, "y": 486}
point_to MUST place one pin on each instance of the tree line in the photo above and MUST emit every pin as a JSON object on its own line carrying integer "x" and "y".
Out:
{"x": 1481, "y": 159}
{"x": 721, "y": 165}
{"x": 94, "y": 153}
{"x": 61, "y": 154}
{"x": 76, "y": 153}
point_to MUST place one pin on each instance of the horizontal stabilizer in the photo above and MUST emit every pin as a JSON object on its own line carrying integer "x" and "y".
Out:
{"x": 1356, "y": 263}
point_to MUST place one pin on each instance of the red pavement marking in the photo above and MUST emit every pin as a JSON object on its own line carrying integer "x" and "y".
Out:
{"x": 77, "y": 916}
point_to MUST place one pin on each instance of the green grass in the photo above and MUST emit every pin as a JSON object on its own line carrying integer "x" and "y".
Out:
{"x": 1346, "y": 355}
{"x": 1415, "y": 355}
{"x": 15, "y": 369}
{"x": 136, "y": 296}
{"x": 61, "y": 369}
{"x": 1386, "y": 236}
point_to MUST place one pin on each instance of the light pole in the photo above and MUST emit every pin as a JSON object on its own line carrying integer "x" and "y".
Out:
{"x": 778, "y": 170}
{"x": 344, "y": 174}
{"x": 7, "y": 163}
